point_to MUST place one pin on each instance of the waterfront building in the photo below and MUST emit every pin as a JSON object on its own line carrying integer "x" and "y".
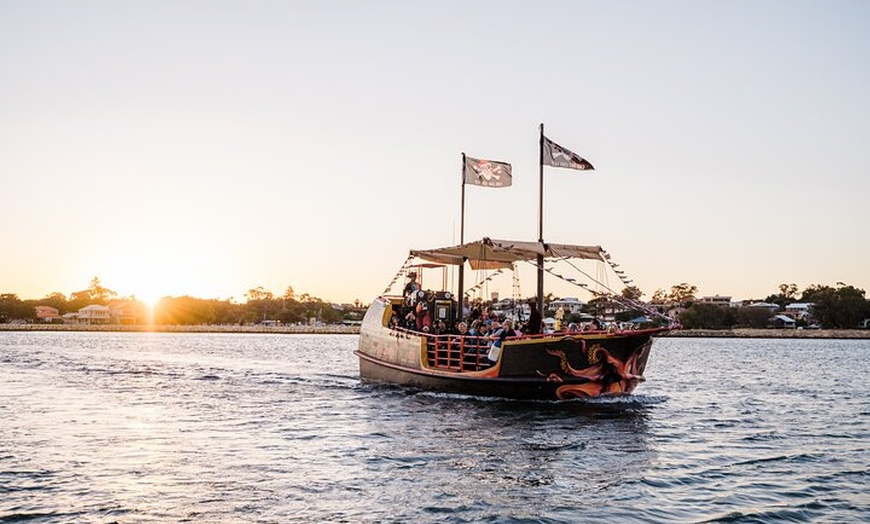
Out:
{"x": 717, "y": 300}
{"x": 94, "y": 314}
{"x": 46, "y": 314}
{"x": 798, "y": 310}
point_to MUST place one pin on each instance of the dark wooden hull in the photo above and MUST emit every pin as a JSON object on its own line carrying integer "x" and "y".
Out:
{"x": 558, "y": 366}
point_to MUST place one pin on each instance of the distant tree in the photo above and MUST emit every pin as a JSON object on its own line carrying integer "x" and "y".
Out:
{"x": 289, "y": 294}
{"x": 259, "y": 293}
{"x": 632, "y": 292}
{"x": 329, "y": 314}
{"x": 597, "y": 306}
{"x": 789, "y": 291}
{"x": 660, "y": 296}
{"x": 226, "y": 312}
{"x": 787, "y": 294}
{"x": 708, "y": 316}
{"x": 185, "y": 311}
{"x": 623, "y": 316}
{"x": 292, "y": 313}
{"x": 682, "y": 293}
{"x": 94, "y": 294}
{"x": 843, "y": 307}
{"x": 13, "y": 308}
{"x": 753, "y": 317}
{"x": 56, "y": 300}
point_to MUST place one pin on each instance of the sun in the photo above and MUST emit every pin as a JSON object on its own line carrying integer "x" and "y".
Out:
{"x": 150, "y": 299}
{"x": 152, "y": 270}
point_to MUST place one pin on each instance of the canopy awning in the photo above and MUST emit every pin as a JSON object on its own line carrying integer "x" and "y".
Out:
{"x": 495, "y": 254}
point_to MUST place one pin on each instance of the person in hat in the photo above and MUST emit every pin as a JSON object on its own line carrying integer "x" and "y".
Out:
{"x": 533, "y": 326}
{"x": 411, "y": 288}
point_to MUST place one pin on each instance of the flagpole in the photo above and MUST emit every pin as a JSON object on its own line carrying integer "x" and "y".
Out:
{"x": 540, "y": 296}
{"x": 460, "y": 299}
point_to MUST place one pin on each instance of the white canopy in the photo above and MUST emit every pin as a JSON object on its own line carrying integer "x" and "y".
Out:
{"x": 494, "y": 254}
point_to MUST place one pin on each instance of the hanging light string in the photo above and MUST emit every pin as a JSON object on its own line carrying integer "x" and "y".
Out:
{"x": 610, "y": 293}
{"x": 476, "y": 287}
{"x": 403, "y": 271}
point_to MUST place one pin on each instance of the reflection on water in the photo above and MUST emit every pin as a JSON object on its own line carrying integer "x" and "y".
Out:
{"x": 101, "y": 427}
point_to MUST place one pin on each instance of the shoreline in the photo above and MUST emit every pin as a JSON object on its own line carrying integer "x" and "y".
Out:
{"x": 117, "y": 328}
{"x": 772, "y": 333}
{"x": 354, "y": 330}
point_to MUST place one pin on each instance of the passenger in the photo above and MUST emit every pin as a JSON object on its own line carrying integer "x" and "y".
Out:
{"x": 474, "y": 330}
{"x": 466, "y": 308}
{"x": 411, "y": 320}
{"x": 422, "y": 315}
{"x": 560, "y": 314}
{"x": 475, "y": 311}
{"x": 411, "y": 288}
{"x": 533, "y": 325}
{"x": 471, "y": 345}
{"x": 498, "y": 337}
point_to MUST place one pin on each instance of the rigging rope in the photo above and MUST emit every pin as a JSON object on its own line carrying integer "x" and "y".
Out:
{"x": 611, "y": 294}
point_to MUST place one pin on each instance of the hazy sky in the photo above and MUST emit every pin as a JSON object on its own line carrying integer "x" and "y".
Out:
{"x": 209, "y": 147}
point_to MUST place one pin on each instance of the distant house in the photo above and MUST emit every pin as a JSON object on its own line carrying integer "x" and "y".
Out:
{"x": 127, "y": 312}
{"x": 94, "y": 314}
{"x": 798, "y": 310}
{"x": 46, "y": 314}
{"x": 715, "y": 301}
{"x": 764, "y": 305}
{"x": 569, "y": 305}
{"x": 607, "y": 309}
{"x": 782, "y": 321}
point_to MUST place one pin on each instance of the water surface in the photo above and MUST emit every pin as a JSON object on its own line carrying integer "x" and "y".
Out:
{"x": 137, "y": 427}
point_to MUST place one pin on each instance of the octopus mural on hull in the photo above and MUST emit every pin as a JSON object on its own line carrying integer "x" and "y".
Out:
{"x": 606, "y": 374}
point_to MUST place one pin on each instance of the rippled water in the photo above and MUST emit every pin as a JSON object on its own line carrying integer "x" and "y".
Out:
{"x": 102, "y": 427}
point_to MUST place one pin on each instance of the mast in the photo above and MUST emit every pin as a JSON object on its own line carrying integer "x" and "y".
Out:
{"x": 461, "y": 283}
{"x": 540, "y": 296}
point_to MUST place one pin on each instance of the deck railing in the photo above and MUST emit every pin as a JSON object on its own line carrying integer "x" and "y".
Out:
{"x": 457, "y": 353}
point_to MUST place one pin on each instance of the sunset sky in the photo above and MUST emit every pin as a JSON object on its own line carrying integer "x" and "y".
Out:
{"x": 208, "y": 147}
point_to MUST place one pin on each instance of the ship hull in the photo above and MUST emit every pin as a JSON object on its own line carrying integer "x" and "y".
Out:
{"x": 553, "y": 367}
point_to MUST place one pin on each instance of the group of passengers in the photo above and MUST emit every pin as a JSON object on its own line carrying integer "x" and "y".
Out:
{"x": 479, "y": 328}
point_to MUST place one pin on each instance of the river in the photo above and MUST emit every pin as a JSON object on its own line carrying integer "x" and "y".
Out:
{"x": 163, "y": 427}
